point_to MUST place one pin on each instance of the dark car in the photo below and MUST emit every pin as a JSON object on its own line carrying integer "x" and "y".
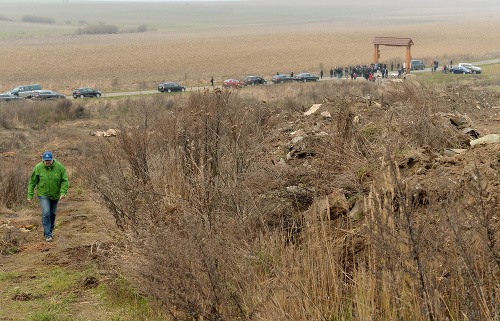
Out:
{"x": 282, "y": 78}
{"x": 25, "y": 91}
{"x": 460, "y": 70}
{"x": 46, "y": 94}
{"x": 233, "y": 83}
{"x": 170, "y": 86}
{"x": 254, "y": 80}
{"x": 9, "y": 97}
{"x": 85, "y": 92}
{"x": 305, "y": 76}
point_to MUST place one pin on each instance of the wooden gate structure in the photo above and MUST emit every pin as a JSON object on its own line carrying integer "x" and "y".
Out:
{"x": 393, "y": 42}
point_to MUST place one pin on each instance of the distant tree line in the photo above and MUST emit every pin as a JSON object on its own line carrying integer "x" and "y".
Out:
{"x": 106, "y": 29}
{"x": 97, "y": 29}
{"x": 38, "y": 19}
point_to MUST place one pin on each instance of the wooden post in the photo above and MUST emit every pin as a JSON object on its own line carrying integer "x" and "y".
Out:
{"x": 408, "y": 59}
{"x": 376, "y": 54}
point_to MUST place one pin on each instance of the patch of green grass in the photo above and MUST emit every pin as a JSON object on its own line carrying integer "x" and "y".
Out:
{"x": 489, "y": 77}
{"x": 54, "y": 309}
{"x": 55, "y": 279}
{"x": 120, "y": 295}
{"x": 4, "y": 276}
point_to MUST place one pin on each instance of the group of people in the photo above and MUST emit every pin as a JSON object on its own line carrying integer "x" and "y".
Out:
{"x": 445, "y": 69}
{"x": 369, "y": 72}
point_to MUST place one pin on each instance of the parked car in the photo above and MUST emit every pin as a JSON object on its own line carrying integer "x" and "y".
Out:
{"x": 254, "y": 80}
{"x": 282, "y": 78}
{"x": 471, "y": 67}
{"x": 9, "y": 97}
{"x": 305, "y": 76}
{"x": 46, "y": 94}
{"x": 415, "y": 64}
{"x": 85, "y": 92}
{"x": 170, "y": 86}
{"x": 233, "y": 83}
{"x": 25, "y": 91}
{"x": 460, "y": 70}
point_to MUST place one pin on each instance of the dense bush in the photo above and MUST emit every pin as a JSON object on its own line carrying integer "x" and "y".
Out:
{"x": 37, "y": 19}
{"x": 97, "y": 29}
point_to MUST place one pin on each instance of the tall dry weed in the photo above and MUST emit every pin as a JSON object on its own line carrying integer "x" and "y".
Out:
{"x": 173, "y": 181}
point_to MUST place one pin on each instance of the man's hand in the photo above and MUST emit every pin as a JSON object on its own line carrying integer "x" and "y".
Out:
{"x": 62, "y": 196}
{"x": 30, "y": 200}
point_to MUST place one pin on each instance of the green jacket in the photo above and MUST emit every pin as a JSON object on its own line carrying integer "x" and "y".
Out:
{"x": 52, "y": 180}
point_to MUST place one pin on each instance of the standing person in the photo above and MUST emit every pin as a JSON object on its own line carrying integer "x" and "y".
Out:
{"x": 331, "y": 72}
{"x": 212, "y": 81}
{"x": 291, "y": 74}
{"x": 321, "y": 74}
{"x": 52, "y": 184}
{"x": 392, "y": 66}
{"x": 451, "y": 63}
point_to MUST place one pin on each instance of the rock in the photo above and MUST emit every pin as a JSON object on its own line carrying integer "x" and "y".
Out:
{"x": 296, "y": 140}
{"x": 111, "y": 132}
{"x": 326, "y": 114}
{"x": 448, "y": 152}
{"x": 458, "y": 120}
{"x": 337, "y": 203}
{"x": 357, "y": 211}
{"x": 108, "y": 133}
{"x": 488, "y": 139}
{"x": 312, "y": 110}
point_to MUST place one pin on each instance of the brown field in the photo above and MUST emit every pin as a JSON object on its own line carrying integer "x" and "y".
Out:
{"x": 142, "y": 60}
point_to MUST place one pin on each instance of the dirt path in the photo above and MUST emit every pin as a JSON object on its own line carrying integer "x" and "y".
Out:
{"x": 60, "y": 278}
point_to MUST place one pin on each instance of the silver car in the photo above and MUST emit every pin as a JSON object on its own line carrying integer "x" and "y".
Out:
{"x": 471, "y": 67}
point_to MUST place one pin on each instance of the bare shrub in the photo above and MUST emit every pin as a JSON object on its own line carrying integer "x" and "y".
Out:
{"x": 175, "y": 185}
{"x": 63, "y": 108}
{"x": 413, "y": 121}
{"x": 13, "y": 185}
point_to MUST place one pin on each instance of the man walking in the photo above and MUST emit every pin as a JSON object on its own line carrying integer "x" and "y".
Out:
{"x": 52, "y": 184}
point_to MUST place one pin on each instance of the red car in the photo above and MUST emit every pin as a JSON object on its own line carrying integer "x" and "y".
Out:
{"x": 233, "y": 83}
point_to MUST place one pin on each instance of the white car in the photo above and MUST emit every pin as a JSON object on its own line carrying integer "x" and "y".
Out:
{"x": 471, "y": 67}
